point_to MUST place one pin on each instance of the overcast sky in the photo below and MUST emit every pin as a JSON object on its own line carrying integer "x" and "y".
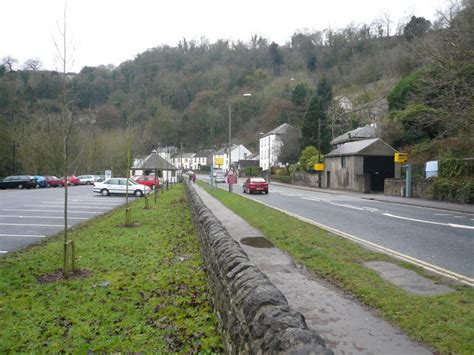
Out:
{"x": 112, "y": 31}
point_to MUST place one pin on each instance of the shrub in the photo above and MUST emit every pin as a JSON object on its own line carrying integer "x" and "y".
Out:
{"x": 281, "y": 178}
{"x": 457, "y": 190}
{"x": 252, "y": 171}
{"x": 452, "y": 168}
{"x": 399, "y": 96}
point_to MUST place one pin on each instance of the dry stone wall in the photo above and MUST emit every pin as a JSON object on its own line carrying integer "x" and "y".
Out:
{"x": 253, "y": 314}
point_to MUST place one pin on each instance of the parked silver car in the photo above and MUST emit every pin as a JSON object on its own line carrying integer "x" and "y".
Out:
{"x": 86, "y": 179}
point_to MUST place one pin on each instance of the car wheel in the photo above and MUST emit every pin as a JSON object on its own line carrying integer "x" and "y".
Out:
{"x": 20, "y": 186}
{"x": 138, "y": 193}
{"x": 266, "y": 192}
{"x": 88, "y": 183}
{"x": 104, "y": 192}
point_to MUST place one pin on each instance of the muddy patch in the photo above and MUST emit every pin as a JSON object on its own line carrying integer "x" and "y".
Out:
{"x": 257, "y": 242}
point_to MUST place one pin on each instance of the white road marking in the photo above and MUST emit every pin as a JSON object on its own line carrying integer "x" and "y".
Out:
{"x": 429, "y": 222}
{"x": 288, "y": 194}
{"x": 89, "y": 208}
{"x": 459, "y": 217}
{"x": 3, "y": 251}
{"x": 23, "y": 235}
{"x": 371, "y": 209}
{"x": 61, "y": 211}
{"x": 443, "y": 214}
{"x": 33, "y": 225}
{"x": 316, "y": 199}
{"x": 44, "y": 217}
{"x": 436, "y": 269}
{"x": 347, "y": 206}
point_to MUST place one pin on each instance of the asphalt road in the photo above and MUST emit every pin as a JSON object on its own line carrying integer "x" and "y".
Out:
{"x": 27, "y": 216}
{"x": 443, "y": 240}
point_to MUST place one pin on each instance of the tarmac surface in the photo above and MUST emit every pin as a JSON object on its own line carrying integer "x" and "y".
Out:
{"x": 347, "y": 326}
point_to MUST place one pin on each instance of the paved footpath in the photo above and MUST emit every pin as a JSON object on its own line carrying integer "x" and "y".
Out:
{"x": 347, "y": 326}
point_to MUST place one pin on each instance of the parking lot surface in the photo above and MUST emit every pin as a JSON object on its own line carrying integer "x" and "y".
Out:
{"x": 27, "y": 216}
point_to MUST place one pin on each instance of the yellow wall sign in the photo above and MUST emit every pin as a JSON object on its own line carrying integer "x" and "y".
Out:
{"x": 401, "y": 157}
{"x": 319, "y": 167}
{"x": 219, "y": 161}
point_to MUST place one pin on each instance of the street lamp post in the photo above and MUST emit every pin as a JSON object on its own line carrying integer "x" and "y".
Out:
{"x": 230, "y": 134}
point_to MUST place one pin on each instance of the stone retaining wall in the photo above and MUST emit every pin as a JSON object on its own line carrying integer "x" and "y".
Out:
{"x": 253, "y": 314}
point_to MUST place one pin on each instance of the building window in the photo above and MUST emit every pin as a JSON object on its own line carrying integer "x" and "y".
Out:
{"x": 343, "y": 162}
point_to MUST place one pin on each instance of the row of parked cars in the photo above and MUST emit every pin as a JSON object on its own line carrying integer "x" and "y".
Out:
{"x": 37, "y": 181}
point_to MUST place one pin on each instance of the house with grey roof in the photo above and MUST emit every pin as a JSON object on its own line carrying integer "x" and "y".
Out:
{"x": 154, "y": 164}
{"x": 361, "y": 166}
{"x": 182, "y": 160}
{"x": 271, "y": 143}
{"x": 366, "y": 132}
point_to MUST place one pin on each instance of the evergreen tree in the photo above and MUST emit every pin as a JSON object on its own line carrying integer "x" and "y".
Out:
{"x": 316, "y": 130}
{"x": 324, "y": 91}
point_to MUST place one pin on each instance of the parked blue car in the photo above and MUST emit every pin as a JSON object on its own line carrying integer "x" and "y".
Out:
{"x": 40, "y": 181}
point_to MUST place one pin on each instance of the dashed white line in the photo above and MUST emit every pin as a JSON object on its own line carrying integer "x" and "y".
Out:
{"x": 23, "y": 235}
{"x": 459, "y": 217}
{"x": 443, "y": 214}
{"x": 429, "y": 222}
{"x": 347, "y": 206}
{"x": 3, "y": 251}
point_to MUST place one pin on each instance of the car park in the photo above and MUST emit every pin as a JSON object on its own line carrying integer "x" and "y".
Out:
{"x": 119, "y": 186}
{"x": 150, "y": 181}
{"x": 86, "y": 179}
{"x": 255, "y": 184}
{"x": 18, "y": 182}
{"x": 53, "y": 181}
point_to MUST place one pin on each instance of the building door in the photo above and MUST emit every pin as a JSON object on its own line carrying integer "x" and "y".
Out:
{"x": 379, "y": 169}
{"x": 328, "y": 179}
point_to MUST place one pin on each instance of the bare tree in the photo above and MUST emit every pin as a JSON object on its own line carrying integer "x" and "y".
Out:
{"x": 65, "y": 119}
{"x": 9, "y": 62}
{"x": 33, "y": 64}
{"x": 289, "y": 148}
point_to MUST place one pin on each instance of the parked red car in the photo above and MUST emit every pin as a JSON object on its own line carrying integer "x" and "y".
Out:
{"x": 71, "y": 180}
{"x": 149, "y": 181}
{"x": 53, "y": 181}
{"x": 255, "y": 184}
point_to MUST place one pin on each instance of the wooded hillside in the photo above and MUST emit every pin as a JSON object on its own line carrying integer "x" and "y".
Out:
{"x": 172, "y": 95}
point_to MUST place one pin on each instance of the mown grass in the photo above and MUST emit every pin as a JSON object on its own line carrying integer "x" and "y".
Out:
{"x": 445, "y": 323}
{"x": 156, "y": 299}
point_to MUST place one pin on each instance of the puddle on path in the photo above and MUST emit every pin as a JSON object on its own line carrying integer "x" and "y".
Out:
{"x": 257, "y": 242}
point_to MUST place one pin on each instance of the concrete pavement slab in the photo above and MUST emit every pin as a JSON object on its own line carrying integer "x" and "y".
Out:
{"x": 408, "y": 279}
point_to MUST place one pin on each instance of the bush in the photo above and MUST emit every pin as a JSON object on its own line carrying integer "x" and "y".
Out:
{"x": 399, "y": 96}
{"x": 294, "y": 168}
{"x": 281, "y": 178}
{"x": 252, "y": 171}
{"x": 453, "y": 168}
{"x": 456, "y": 190}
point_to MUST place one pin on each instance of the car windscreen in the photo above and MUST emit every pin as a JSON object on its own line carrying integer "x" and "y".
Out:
{"x": 257, "y": 180}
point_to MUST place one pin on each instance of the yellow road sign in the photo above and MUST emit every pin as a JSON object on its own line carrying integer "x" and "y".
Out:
{"x": 319, "y": 167}
{"x": 401, "y": 157}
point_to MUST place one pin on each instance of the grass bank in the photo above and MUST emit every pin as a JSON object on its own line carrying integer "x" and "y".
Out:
{"x": 446, "y": 322}
{"x": 146, "y": 291}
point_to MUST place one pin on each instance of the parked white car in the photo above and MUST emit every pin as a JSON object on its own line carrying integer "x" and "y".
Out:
{"x": 119, "y": 186}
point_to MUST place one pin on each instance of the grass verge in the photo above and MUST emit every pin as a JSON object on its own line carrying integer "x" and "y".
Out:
{"x": 146, "y": 292}
{"x": 445, "y": 323}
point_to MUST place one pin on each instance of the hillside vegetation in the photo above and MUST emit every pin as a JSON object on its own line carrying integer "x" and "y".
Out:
{"x": 181, "y": 95}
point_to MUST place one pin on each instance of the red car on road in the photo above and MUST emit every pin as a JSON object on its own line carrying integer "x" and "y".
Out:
{"x": 53, "y": 181}
{"x": 149, "y": 181}
{"x": 255, "y": 184}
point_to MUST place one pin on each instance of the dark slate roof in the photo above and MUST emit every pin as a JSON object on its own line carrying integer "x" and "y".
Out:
{"x": 281, "y": 129}
{"x": 204, "y": 153}
{"x": 373, "y": 147}
{"x": 153, "y": 161}
{"x": 366, "y": 132}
